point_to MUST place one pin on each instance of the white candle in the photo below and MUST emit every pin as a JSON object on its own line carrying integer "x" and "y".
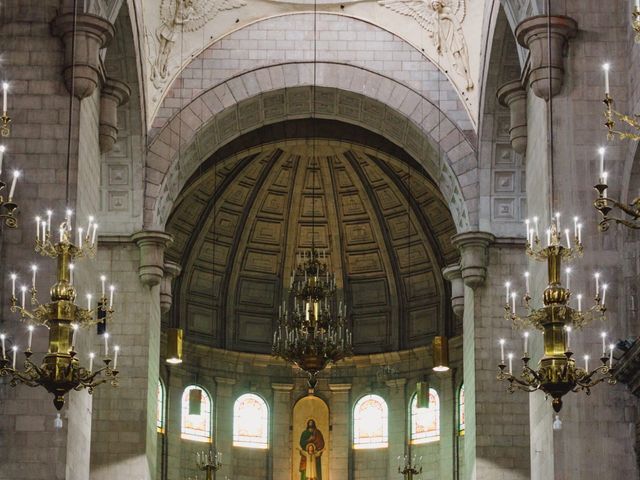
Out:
{"x": 566, "y": 234}
{"x": 13, "y": 285}
{"x": 23, "y": 289}
{"x": 502, "y": 341}
{"x": 637, "y": 4}
{"x": 116, "y": 349}
{"x": 89, "y": 297}
{"x": 579, "y": 233}
{"x": 16, "y": 175}
{"x": 72, "y": 267}
{"x": 91, "y": 356}
{"x": 575, "y": 227}
{"x": 74, "y": 326}
{"x": 526, "y": 282}
{"x": 568, "y": 330}
{"x": 507, "y": 286}
{"x": 2, "y": 339}
{"x": 535, "y": 225}
{"x": 89, "y": 226}
{"x": 111, "y": 290}
{"x": 601, "y": 151}
{"x": 513, "y": 302}
{"x": 30, "y": 328}
{"x": 611, "y": 347}
{"x": 597, "y": 277}
{"x": 44, "y": 231}
{"x": 558, "y": 221}
{"x": 548, "y": 237}
{"x": 2, "y": 150}
{"x": 586, "y": 363}
{"x": 37, "y": 229}
{"x": 568, "y": 271}
{"x": 61, "y": 233}
{"x": 93, "y": 237}
{"x": 49, "y": 213}
{"x": 604, "y": 293}
{"x": 510, "y": 356}
{"x": 604, "y": 181}
{"x": 526, "y": 222}
{"x": 603, "y": 335}
{"x": 103, "y": 279}
{"x": 106, "y": 345}
{"x": 579, "y": 302}
{"x": 526, "y": 342}
{"x": 15, "y": 352}
{"x": 5, "y": 90}
{"x": 34, "y": 269}
{"x": 606, "y": 68}
{"x": 80, "y": 237}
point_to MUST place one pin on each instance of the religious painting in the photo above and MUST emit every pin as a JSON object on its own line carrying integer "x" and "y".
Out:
{"x": 310, "y": 439}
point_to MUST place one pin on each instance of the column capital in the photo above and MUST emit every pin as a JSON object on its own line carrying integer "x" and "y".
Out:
{"x": 171, "y": 271}
{"x": 282, "y": 387}
{"x": 473, "y": 247}
{"x": 533, "y": 33}
{"x": 152, "y": 244}
{"x": 453, "y": 274}
{"x": 114, "y": 94}
{"x": 339, "y": 387}
{"x": 93, "y": 33}
{"x": 513, "y": 96}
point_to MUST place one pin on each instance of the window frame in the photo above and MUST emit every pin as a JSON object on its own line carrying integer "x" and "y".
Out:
{"x": 427, "y": 438}
{"x": 184, "y": 407}
{"x": 266, "y": 419}
{"x": 384, "y": 441}
{"x": 161, "y": 408}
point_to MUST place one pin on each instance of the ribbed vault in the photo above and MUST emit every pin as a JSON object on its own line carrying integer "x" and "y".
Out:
{"x": 238, "y": 227}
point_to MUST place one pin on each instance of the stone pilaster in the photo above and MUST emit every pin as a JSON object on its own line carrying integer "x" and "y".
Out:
{"x": 114, "y": 94}
{"x": 152, "y": 244}
{"x": 453, "y": 274}
{"x": 340, "y": 415}
{"x": 280, "y": 434}
{"x": 82, "y": 63}
{"x": 473, "y": 248}
{"x": 224, "y": 424}
{"x": 171, "y": 271}
{"x": 513, "y": 96}
{"x": 533, "y": 33}
{"x": 398, "y": 421}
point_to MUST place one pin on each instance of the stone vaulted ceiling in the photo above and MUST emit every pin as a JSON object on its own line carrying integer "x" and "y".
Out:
{"x": 238, "y": 227}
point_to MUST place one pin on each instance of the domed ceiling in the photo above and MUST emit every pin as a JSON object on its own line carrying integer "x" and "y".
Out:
{"x": 239, "y": 226}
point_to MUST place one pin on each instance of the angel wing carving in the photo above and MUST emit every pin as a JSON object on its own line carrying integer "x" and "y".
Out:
{"x": 183, "y": 16}
{"x": 443, "y": 20}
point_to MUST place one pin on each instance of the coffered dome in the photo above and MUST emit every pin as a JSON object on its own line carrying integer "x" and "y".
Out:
{"x": 238, "y": 226}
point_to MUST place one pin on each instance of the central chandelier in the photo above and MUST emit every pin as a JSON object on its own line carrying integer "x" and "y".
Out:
{"x": 61, "y": 369}
{"x": 312, "y": 326}
{"x": 557, "y": 373}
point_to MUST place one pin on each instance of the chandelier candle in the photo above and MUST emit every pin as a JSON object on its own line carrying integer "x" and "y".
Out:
{"x": 60, "y": 371}
{"x": 556, "y": 373}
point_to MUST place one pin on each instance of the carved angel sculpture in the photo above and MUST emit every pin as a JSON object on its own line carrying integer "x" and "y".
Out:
{"x": 185, "y": 16}
{"x": 443, "y": 21}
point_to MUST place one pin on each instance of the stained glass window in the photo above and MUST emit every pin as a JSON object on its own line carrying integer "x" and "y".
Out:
{"x": 371, "y": 423}
{"x": 196, "y": 427}
{"x": 425, "y": 422}
{"x": 461, "y": 410}
{"x": 250, "y": 422}
{"x": 160, "y": 407}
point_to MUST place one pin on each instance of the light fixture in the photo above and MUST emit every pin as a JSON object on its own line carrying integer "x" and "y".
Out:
{"x": 174, "y": 346}
{"x": 209, "y": 462}
{"x": 7, "y": 206}
{"x": 422, "y": 393}
{"x": 5, "y": 120}
{"x": 605, "y": 205}
{"x": 409, "y": 465}
{"x": 61, "y": 370}
{"x": 611, "y": 114}
{"x": 557, "y": 373}
{"x": 440, "y": 350}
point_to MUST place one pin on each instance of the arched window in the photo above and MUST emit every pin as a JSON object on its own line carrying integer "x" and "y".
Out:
{"x": 196, "y": 414}
{"x": 371, "y": 423}
{"x": 160, "y": 422}
{"x": 425, "y": 422}
{"x": 250, "y": 422}
{"x": 461, "y": 410}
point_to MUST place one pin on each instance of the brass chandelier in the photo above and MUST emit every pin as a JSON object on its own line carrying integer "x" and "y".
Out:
{"x": 312, "y": 326}
{"x": 62, "y": 369}
{"x": 409, "y": 465}
{"x": 557, "y": 373}
{"x": 208, "y": 462}
{"x": 7, "y": 206}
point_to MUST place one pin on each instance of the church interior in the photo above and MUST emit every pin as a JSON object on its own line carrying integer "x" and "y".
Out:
{"x": 319, "y": 240}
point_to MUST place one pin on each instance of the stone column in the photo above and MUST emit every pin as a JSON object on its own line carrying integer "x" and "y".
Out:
{"x": 474, "y": 256}
{"x": 280, "y": 433}
{"x": 93, "y": 33}
{"x": 533, "y": 34}
{"x": 114, "y": 94}
{"x": 224, "y": 424}
{"x": 340, "y": 416}
{"x": 171, "y": 271}
{"x": 397, "y": 423}
{"x": 513, "y": 96}
{"x": 453, "y": 274}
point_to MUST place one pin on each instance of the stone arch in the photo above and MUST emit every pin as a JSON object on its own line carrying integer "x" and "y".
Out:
{"x": 344, "y": 93}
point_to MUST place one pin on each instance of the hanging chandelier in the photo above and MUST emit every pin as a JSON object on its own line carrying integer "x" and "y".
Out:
{"x": 312, "y": 329}
{"x": 209, "y": 462}
{"x": 409, "y": 465}
{"x": 557, "y": 373}
{"x": 61, "y": 369}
